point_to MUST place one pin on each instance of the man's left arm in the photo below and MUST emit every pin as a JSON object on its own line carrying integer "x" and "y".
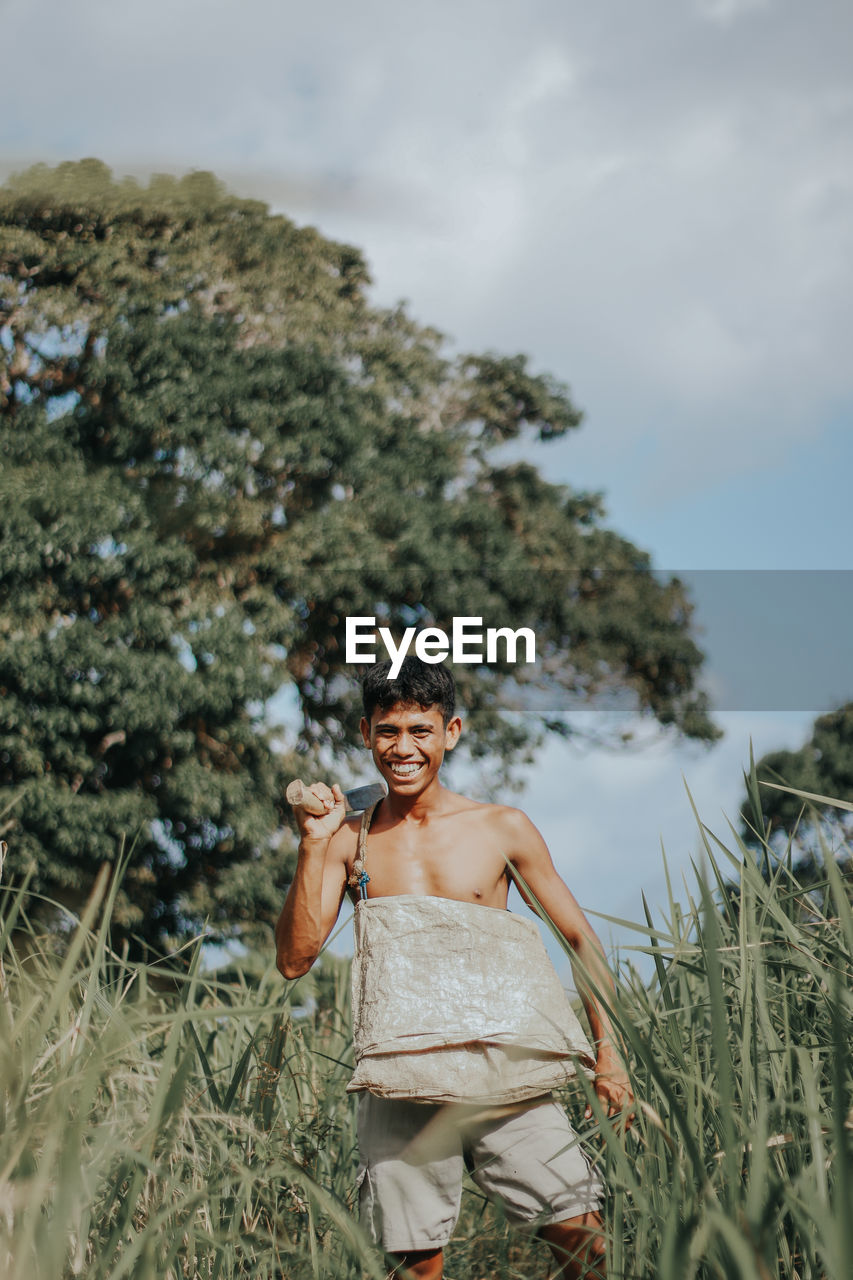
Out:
{"x": 531, "y": 859}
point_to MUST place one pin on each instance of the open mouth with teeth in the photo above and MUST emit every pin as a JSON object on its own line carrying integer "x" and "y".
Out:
{"x": 404, "y": 770}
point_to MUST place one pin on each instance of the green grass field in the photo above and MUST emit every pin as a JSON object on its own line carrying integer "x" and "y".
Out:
{"x": 158, "y": 1122}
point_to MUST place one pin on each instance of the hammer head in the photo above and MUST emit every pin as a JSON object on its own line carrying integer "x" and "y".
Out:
{"x": 361, "y": 798}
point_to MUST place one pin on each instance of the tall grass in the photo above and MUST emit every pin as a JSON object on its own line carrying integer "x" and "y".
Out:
{"x": 741, "y": 1161}
{"x": 158, "y": 1122}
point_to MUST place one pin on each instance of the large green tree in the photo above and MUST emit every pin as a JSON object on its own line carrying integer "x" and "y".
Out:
{"x": 214, "y": 450}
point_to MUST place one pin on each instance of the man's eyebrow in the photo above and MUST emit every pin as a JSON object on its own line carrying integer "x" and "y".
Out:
{"x": 389, "y": 724}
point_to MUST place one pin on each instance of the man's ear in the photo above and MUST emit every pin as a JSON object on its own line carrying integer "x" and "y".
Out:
{"x": 365, "y": 732}
{"x": 452, "y": 732}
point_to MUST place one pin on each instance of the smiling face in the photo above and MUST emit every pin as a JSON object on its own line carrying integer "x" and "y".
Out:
{"x": 408, "y": 743}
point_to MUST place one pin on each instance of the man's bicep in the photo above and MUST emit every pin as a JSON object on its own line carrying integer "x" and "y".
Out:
{"x": 538, "y": 881}
{"x": 527, "y": 852}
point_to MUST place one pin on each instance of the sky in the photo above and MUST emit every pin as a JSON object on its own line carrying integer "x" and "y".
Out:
{"x": 652, "y": 201}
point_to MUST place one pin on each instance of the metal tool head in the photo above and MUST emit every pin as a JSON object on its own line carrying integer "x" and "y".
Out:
{"x": 361, "y": 798}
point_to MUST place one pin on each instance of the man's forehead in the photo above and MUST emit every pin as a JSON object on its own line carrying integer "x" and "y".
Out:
{"x": 407, "y": 711}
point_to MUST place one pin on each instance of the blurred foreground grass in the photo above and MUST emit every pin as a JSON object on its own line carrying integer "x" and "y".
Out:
{"x": 158, "y": 1122}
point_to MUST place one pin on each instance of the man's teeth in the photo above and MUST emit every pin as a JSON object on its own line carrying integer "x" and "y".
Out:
{"x": 404, "y": 770}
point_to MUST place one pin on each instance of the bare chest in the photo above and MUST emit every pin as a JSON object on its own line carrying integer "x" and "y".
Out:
{"x": 467, "y": 869}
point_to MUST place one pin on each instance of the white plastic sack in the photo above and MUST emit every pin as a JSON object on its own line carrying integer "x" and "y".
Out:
{"x": 456, "y": 1002}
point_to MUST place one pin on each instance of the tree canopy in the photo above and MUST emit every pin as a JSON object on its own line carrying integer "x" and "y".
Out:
{"x": 215, "y": 448}
{"x": 822, "y": 766}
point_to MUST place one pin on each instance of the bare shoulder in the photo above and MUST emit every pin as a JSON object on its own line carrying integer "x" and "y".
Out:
{"x": 520, "y": 832}
{"x": 503, "y": 821}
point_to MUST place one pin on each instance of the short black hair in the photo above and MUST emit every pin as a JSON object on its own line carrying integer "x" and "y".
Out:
{"x": 424, "y": 684}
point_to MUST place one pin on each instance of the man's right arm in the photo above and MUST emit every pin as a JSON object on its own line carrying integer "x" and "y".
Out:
{"x": 315, "y": 895}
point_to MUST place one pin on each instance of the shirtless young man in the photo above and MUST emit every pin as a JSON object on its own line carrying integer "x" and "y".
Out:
{"x": 427, "y": 843}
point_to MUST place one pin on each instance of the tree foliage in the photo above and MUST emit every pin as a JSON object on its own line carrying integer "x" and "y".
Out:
{"x": 822, "y": 766}
{"x": 214, "y": 450}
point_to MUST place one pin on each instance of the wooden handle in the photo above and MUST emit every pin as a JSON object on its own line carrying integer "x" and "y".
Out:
{"x": 298, "y": 795}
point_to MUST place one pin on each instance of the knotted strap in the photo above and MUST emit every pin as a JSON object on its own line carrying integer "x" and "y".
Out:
{"x": 359, "y": 879}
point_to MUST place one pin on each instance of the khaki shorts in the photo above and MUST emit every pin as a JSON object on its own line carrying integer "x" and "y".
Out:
{"x": 527, "y": 1158}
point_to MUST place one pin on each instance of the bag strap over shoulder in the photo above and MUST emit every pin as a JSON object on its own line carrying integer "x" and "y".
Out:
{"x": 359, "y": 879}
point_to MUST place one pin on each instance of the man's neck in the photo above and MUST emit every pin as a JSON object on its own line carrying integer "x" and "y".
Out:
{"x": 419, "y": 808}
